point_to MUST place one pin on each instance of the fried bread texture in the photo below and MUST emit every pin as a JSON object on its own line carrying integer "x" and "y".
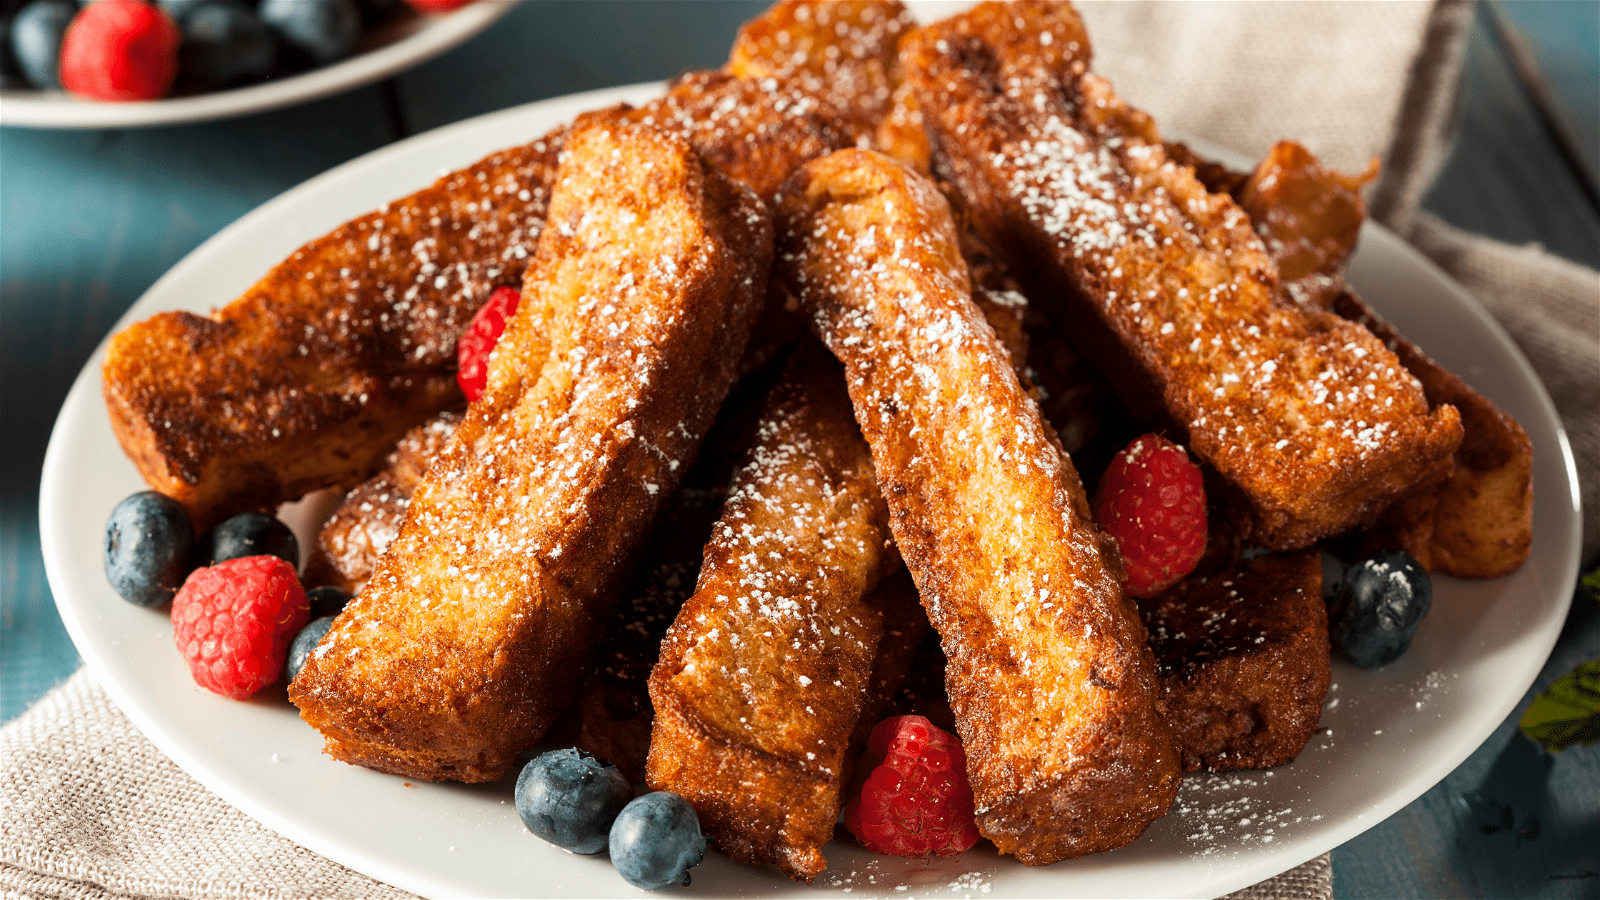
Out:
{"x": 763, "y": 676}
{"x": 1479, "y": 522}
{"x": 1054, "y": 690}
{"x": 366, "y": 522}
{"x": 1165, "y": 287}
{"x": 844, "y": 51}
{"x": 307, "y": 380}
{"x": 474, "y": 631}
{"x": 1243, "y": 657}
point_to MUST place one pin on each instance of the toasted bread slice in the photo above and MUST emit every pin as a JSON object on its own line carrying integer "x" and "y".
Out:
{"x": 307, "y": 380}
{"x": 474, "y": 631}
{"x": 763, "y": 676}
{"x": 1163, "y": 285}
{"x": 844, "y": 51}
{"x": 1054, "y": 690}
{"x": 1243, "y": 657}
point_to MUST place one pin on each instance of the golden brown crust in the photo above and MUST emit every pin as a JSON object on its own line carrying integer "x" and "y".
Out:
{"x": 474, "y": 631}
{"x": 1053, "y": 687}
{"x": 1479, "y": 522}
{"x": 366, "y": 522}
{"x": 843, "y": 51}
{"x": 764, "y": 674}
{"x": 310, "y": 377}
{"x": 1308, "y": 417}
{"x": 1243, "y": 657}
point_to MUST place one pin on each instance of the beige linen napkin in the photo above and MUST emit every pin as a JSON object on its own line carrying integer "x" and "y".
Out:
{"x": 90, "y": 809}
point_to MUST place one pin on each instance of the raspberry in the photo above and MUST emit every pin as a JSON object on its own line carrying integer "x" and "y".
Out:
{"x": 916, "y": 799}
{"x": 472, "y": 348}
{"x": 120, "y": 50}
{"x": 233, "y": 622}
{"x": 1152, "y": 500}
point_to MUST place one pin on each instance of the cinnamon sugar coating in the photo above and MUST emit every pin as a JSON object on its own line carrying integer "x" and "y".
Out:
{"x": 764, "y": 675}
{"x": 474, "y": 631}
{"x": 307, "y": 380}
{"x": 1052, "y": 685}
{"x": 1165, "y": 286}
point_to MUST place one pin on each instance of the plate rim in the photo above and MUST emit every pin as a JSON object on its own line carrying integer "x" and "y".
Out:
{"x": 439, "y": 33}
{"x": 87, "y": 381}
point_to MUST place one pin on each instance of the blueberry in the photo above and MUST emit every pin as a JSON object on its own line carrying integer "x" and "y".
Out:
{"x": 327, "y": 601}
{"x": 1377, "y": 607}
{"x": 325, "y": 30}
{"x": 179, "y": 10}
{"x": 149, "y": 548}
{"x": 36, "y": 34}
{"x": 224, "y": 42}
{"x": 569, "y": 798}
{"x": 253, "y": 534}
{"x": 306, "y": 641}
{"x": 656, "y": 840}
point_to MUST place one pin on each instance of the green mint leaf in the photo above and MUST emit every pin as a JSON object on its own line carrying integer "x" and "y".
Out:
{"x": 1568, "y": 712}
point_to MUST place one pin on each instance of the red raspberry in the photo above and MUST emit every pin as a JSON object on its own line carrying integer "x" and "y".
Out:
{"x": 1152, "y": 500}
{"x": 916, "y": 799}
{"x": 437, "y": 6}
{"x": 120, "y": 50}
{"x": 233, "y": 622}
{"x": 472, "y": 348}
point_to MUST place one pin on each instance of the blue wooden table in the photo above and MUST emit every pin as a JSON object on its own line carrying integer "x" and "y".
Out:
{"x": 92, "y": 219}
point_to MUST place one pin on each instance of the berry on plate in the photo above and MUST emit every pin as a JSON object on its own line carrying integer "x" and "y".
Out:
{"x": 1152, "y": 501}
{"x": 304, "y": 642}
{"x": 437, "y": 6}
{"x": 252, "y": 534}
{"x": 120, "y": 50}
{"x": 224, "y": 42}
{"x": 35, "y": 40}
{"x": 324, "y": 30}
{"x": 570, "y": 799}
{"x": 327, "y": 601}
{"x": 1376, "y": 609}
{"x": 233, "y": 622}
{"x": 475, "y": 344}
{"x": 916, "y": 800}
{"x": 656, "y": 840}
{"x": 149, "y": 548}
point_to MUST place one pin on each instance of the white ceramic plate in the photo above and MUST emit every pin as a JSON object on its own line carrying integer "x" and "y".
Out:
{"x": 1390, "y": 734}
{"x": 395, "y": 47}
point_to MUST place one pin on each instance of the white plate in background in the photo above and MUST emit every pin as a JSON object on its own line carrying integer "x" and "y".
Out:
{"x": 394, "y": 47}
{"x": 1390, "y": 735}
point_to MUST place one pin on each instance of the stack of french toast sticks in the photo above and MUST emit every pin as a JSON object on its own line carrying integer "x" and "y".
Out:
{"x": 773, "y": 437}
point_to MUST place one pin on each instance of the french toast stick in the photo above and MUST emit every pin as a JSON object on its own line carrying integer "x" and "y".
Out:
{"x": 1479, "y": 522}
{"x": 365, "y": 523}
{"x": 763, "y": 675}
{"x": 1054, "y": 690}
{"x": 1243, "y": 659}
{"x": 1164, "y": 286}
{"x": 308, "y": 379}
{"x": 844, "y": 51}
{"x": 474, "y": 631}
